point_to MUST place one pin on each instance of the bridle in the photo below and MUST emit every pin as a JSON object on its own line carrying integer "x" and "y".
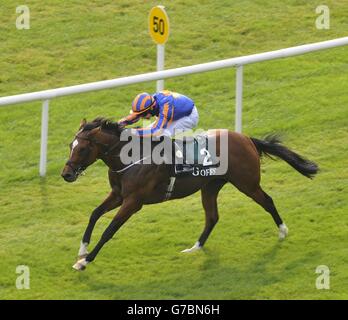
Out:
{"x": 78, "y": 170}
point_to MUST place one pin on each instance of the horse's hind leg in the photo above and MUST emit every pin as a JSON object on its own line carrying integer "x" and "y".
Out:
{"x": 209, "y": 201}
{"x": 264, "y": 200}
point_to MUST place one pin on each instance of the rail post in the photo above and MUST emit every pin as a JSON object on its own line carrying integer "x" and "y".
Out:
{"x": 239, "y": 98}
{"x": 44, "y": 137}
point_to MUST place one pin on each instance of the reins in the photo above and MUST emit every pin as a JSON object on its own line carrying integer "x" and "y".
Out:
{"x": 129, "y": 166}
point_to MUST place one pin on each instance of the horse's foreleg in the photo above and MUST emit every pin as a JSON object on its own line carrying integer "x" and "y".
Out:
{"x": 129, "y": 206}
{"x": 111, "y": 202}
{"x": 209, "y": 201}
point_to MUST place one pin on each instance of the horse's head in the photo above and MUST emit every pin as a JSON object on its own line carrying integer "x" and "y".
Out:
{"x": 89, "y": 144}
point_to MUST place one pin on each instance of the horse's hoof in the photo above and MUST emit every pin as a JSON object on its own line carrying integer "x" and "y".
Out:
{"x": 83, "y": 256}
{"x": 196, "y": 247}
{"x": 283, "y": 231}
{"x": 80, "y": 265}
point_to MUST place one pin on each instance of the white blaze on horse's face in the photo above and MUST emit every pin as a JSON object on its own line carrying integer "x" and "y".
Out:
{"x": 74, "y": 144}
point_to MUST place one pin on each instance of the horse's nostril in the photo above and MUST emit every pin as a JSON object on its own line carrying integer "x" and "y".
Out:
{"x": 67, "y": 176}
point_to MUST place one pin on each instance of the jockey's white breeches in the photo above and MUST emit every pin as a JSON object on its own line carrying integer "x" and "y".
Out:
{"x": 183, "y": 124}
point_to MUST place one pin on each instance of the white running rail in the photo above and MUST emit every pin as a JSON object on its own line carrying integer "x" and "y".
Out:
{"x": 238, "y": 62}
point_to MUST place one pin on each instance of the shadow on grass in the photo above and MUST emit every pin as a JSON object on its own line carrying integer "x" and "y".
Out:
{"x": 44, "y": 194}
{"x": 207, "y": 279}
{"x": 205, "y": 275}
{"x": 241, "y": 283}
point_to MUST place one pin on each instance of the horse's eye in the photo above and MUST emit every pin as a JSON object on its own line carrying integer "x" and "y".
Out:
{"x": 83, "y": 151}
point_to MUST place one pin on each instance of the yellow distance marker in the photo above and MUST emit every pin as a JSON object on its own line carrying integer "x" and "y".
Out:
{"x": 159, "y": 31}
{"x": 159, "y": 25}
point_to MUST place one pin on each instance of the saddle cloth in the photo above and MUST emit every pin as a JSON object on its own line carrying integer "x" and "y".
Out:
{"x": 197, "y": 150}
{"x": 194, "y": 155}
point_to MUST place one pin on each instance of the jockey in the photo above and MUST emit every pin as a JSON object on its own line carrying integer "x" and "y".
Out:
{"x": 173, "y": 111}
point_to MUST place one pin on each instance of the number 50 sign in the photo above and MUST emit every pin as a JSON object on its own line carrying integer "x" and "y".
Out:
{"x": 159, "y": 25}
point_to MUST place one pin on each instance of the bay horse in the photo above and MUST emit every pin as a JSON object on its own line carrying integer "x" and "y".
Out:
{"x": 140, "y": 184}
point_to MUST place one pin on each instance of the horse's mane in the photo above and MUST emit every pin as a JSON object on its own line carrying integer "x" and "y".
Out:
{"x": 105, "y": 124}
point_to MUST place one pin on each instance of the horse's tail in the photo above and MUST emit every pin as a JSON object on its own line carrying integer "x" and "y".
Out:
{"x": 271, "y": 145}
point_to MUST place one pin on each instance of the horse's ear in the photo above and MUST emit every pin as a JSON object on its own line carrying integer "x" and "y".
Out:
{"x": 93, "y": 131}
{"x": 83, "y": 123}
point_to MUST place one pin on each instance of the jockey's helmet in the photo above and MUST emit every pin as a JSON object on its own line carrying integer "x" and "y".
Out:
{"x": 142, "y": 102}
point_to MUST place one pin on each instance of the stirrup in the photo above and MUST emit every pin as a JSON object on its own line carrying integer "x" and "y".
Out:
{"x": 183, "y": 168}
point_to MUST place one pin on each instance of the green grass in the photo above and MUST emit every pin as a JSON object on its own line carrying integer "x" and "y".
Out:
{"x": 305, "y": 98}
